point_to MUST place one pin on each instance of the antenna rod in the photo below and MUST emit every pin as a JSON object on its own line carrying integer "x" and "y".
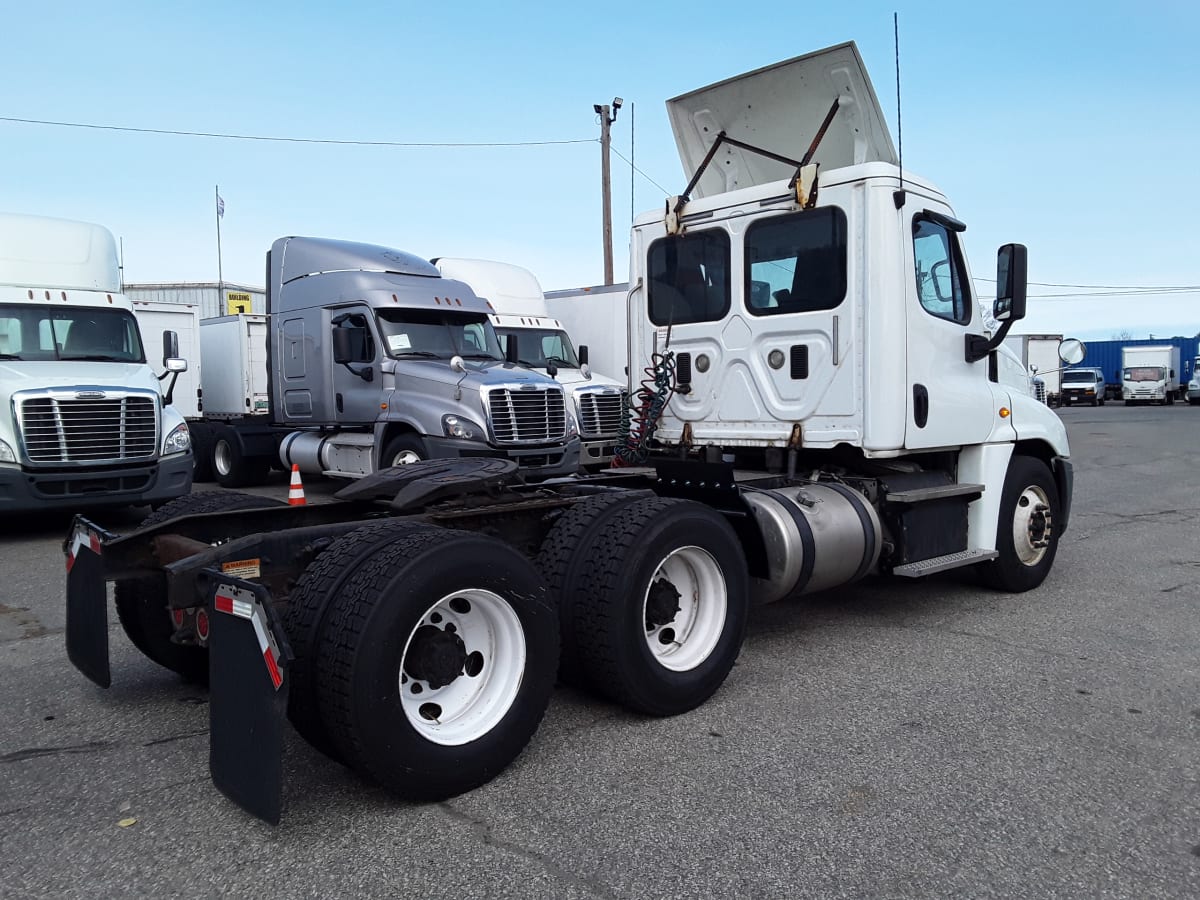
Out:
{"x": 898, "y": 197}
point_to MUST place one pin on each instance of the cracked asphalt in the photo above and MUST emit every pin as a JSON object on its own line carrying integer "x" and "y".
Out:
{"x": 894, "y": 739}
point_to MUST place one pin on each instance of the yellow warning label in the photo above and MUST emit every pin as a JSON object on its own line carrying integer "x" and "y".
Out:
{"x": 242, "y": 568}
{"x": 236, "y": 303}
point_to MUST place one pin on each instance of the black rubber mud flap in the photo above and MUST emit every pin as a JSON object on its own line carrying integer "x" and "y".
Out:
{"x": 87, "y": 602}
{"x": 248, "y": 687}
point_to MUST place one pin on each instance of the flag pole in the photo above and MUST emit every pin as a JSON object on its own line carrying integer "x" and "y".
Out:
{"x": 220, "y": 273}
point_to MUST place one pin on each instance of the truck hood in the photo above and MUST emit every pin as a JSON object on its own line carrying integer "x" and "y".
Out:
{"x": 19, "y": 375}
{"x": 479, "y": 373}
{"x": 780, "y": 108}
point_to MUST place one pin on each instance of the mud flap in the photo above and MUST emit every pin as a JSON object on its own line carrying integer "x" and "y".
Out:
{"x": 87, "y": 602}
{"x": 248, "y": 687}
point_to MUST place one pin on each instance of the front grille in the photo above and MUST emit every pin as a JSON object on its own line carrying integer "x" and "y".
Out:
{"x": 527, "y": 415}
{"x": 69, "y": 430}
{"x": 600, "y": 412}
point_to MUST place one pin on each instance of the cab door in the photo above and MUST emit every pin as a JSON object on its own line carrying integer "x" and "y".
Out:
{"x": 356, "y": 400}
{"x": 949, "y": 399}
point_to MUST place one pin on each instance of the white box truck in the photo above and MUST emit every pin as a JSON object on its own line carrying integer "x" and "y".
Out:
{"x": 825, "y": 405}
{"x": 1150, "y": 374}
{"x": 83, "y": 418}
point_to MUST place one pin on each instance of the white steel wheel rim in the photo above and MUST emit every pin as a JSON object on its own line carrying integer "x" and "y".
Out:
{"x": 691, "y": 635}
{"x": 223, "y": 457}
{"x": 1032, "y": 525}
{"x": 406, "y": 457}
{"x": 471, "y": 705}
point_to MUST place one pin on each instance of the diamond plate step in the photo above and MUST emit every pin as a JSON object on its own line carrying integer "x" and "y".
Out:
{"x": 943, "y": 563}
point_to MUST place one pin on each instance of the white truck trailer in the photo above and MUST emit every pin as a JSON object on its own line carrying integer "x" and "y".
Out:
{"x": 1150, "y": 374}
{"x": 83, "y": 420}
{"x": 521, "y": 313}
{"x": 824, "y": 404}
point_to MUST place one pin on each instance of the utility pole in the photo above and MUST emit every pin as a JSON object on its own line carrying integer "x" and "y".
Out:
{"x": 608, "y": 115}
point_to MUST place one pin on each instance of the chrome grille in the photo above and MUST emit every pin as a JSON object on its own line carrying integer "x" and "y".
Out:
{"x": 66, "y": 429}
{"x": 600, "y": 412}
{"x": 528, "y": 415}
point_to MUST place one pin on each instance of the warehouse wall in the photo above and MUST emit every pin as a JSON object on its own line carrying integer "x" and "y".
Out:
{"x": 208, "y": 297}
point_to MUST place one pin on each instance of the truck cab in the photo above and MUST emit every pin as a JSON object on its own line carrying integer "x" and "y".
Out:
{"x": 819, "y": 312}
{"x": 83, "y": 421}
{"x": 377, "y": 360}
{"x": 519, "y": 314}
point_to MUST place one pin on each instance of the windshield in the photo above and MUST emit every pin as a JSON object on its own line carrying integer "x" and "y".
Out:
{"x": 1085, "y": 377}
{"x": 538, "y": 347}
{"x": 38, "y": 332}
{"x": 437, "y": 334}
{"x": 1145, "y": 373}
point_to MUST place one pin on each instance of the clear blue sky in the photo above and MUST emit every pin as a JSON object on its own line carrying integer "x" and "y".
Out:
{"x": 1072, "y": 128}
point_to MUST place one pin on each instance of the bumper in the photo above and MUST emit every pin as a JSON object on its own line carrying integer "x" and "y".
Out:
{"x": 1072, "y": 396}
{"x": 598, "y": 451}
{"x": 534, "y": 462}
{"x": 23, "y": 490}
{"x": 1064, "y": 477}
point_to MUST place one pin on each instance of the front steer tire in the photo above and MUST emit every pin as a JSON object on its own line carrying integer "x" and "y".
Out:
{"x": 659, "y": 608}
{"x": 141, "y": 602}
{"x": 1024, "y": 524}
{"x": 485, "y": 683}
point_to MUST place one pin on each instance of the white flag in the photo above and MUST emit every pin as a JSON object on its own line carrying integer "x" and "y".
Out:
{"x": 220, "y": 207}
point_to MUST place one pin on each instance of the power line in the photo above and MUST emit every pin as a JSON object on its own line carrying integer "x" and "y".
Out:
{"x": 666, "y": 193}
{"x": 294, "y": 140}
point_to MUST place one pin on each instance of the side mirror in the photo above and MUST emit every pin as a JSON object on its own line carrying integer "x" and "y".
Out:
{"x": 511, "y": 354}
{"x": 583, "y": 355}
{"x": 175, "y": 364}
{"x": 349, "y": 345}
{"x": 1072, "y": 351}
{"x": 1012, "y": 265}
{"x": 457, "y": 364}
{"x": 170, "y": 349}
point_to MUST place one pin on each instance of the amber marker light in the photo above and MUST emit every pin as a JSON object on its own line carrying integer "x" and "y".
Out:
{"x": 1005, "y": 412}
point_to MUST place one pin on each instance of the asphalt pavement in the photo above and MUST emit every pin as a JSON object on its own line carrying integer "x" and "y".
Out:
{"x": 892, "y": 739}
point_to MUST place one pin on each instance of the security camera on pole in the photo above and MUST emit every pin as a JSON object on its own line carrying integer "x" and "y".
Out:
{"x": 608, "y": 115}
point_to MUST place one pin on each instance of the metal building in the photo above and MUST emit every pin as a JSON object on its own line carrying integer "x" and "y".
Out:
{"x": 212, "y": 298}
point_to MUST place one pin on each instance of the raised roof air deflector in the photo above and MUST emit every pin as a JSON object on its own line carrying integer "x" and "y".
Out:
{"x": 780, "y": 108}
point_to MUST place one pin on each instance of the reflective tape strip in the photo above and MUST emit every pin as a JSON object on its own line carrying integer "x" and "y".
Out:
{"x": 82, "y": 538}
{"x": 251, "y": 609}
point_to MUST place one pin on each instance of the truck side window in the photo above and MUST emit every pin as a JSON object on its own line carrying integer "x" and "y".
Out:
{"x": 941, "y": 276}
{"x": 796, "y": 263}
{"x": 688, "y": 277}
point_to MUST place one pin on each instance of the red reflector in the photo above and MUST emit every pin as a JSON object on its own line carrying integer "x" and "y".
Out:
{"x": 202, "y": 624}
{"x": 224, "y": 604}
{"x": 177, "y": 616}
{"x": 276, "y": 677}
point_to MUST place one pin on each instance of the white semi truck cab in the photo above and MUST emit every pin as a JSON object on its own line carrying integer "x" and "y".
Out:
{"x": 520, "y": 313}
{"x": 83, "y": 418}
{"x": 816, "y": 315}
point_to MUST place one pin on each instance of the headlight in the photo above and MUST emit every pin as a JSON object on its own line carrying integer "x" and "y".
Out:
{"x": 6, "y": 453}
{"x": 572, "y": 425}
{"x": 178, "y": 441}
{"x": 463, "y": 429}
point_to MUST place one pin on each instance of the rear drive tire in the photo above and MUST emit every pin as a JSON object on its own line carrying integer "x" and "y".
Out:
{"x": 436, "y": 674}
{"x": 307, "y": 611}
{"x": 231, "y": 466}
{"x": 1027, "y": 533}
{"x": 563, "y": 563}
{"x": 141, "y": 602}
{"x": 658, "y": 605}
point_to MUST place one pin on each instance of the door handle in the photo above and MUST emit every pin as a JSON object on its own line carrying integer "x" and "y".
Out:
{"x": 920, "y": 405}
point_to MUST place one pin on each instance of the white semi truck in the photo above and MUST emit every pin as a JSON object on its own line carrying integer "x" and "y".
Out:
{"x": 84, "y": 421}
{"x": 1150, "y": 374}
{"x": 520, "y": 312}
{"x": 822, "y": 404}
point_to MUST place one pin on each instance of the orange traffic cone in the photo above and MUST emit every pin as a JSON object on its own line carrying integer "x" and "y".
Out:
{"x": 296, "y": 491}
